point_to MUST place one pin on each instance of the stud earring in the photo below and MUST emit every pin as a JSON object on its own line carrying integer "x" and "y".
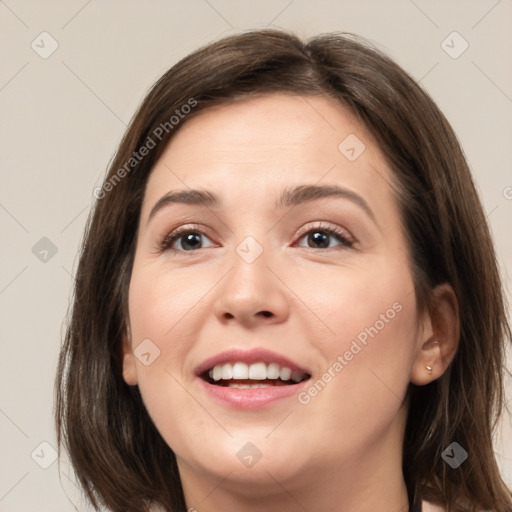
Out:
{"x": 429, "y": 369}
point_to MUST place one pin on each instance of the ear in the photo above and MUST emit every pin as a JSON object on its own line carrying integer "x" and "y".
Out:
{"x": 439, "y": 338}
{"x": 129, "y": 366}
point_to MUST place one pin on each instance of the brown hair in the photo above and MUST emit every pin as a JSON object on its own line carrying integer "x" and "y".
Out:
{"x": 119, "y": 457}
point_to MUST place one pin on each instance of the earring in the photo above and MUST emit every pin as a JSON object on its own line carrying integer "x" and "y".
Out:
{"x": 429, "y": 369}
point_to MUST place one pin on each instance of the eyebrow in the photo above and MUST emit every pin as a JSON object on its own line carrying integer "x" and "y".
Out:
{"x": 289, "y": 197}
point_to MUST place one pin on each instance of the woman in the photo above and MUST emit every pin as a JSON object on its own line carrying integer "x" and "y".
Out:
{"x": 287, "y": 296}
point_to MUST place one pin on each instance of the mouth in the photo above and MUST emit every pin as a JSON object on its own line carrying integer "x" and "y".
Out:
{"x": 241, "y": 375}
{"x": 251, "y": 379}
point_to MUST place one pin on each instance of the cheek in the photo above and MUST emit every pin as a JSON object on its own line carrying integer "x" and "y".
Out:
{"x": 365, "y": 316}
{"x": 162, "y": 305}
{"x": 370, "y": 301}
{"x": 367, "y": 358}
{"x": 164, "y": 309}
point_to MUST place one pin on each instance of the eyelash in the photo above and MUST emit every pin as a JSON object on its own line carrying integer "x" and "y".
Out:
{"x": 341, "y": 235}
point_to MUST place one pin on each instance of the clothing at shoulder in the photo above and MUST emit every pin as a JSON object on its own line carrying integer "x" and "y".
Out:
{"x": 429, "y": 507}
{"x": 425, "y": 507}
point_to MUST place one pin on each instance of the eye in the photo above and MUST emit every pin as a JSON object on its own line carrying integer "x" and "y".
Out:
{"x": 189, "y": 239}
{"x": 185, "y": 238}
{"x": 326, "y": 237}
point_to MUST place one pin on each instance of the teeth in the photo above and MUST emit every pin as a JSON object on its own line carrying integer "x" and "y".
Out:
{"x": 297, "y": 376}
{"x": 217, "y": 373}
{"x": 240, "y": 371}
{"x": 255, "y": 371}
{"x": 273, "y": 371}
{"x": 258, "y": 371}
{"x": 227, "y": 371}
{"x": 285, "y": 373}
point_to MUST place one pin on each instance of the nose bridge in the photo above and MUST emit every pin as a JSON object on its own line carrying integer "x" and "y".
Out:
{"x": 251, "y": 291}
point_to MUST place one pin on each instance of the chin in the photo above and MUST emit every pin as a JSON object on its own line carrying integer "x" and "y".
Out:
{"x": 258, "y": 462}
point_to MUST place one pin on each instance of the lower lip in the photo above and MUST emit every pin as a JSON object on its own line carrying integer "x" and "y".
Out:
{"x": 250, "y": 398}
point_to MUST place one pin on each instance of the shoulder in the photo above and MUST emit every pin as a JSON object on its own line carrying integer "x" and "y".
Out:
{"x": 156, "y": 508}
{"x": 429, "y": 507}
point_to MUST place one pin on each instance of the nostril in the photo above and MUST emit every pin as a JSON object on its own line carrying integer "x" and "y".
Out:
{"x": 266, "y": 314}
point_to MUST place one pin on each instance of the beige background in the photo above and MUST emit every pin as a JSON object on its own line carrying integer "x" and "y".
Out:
{"x": 62, "y": 117}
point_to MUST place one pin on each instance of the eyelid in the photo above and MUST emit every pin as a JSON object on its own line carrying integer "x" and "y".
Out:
{"x": 164, "y": 244}
{"x": 346, "y": 237}
{"x": 343, "y": 235}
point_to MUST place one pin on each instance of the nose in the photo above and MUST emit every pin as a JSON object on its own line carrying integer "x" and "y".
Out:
{"x": 252, "y": 294}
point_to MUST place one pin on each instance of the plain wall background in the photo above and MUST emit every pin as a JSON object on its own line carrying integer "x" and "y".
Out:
{"x": 63, "y": 116}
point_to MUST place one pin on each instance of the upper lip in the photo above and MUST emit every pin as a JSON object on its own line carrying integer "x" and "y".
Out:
{"x": 255, "y": 355}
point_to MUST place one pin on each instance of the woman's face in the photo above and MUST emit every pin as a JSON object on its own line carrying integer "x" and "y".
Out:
{"x": 297, "y": 272}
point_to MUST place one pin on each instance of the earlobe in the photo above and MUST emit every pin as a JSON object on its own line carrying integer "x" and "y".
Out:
{"x": 441, "y": 339}
{"x": 129, "y": 366}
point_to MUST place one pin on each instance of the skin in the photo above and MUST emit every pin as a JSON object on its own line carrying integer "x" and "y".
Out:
{"x": 342, "y": 450}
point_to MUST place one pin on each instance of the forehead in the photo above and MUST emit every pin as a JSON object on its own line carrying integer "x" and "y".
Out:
{"x": 259, "y": 146}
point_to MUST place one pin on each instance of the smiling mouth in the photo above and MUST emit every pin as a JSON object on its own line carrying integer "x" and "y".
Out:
{"x": 257, "y": 375}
